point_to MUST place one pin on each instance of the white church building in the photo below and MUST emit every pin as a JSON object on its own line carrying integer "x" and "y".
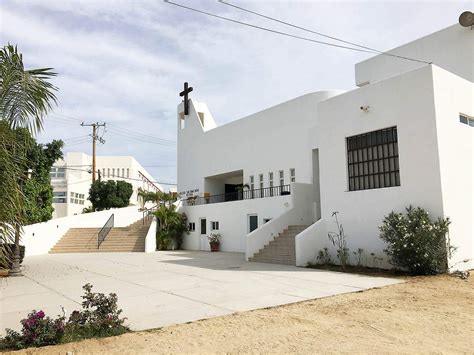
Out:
{"x": 404, "y": 137}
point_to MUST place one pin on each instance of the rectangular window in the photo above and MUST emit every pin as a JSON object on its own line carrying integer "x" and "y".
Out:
{"x": 108, "y": 172}
{"x": 372, "y": 160}
{"x": 113, "y": 172}
{"x": 128, "y": 172}
{"x": 292, "y": 175}
{"x": 252, "y": 183}
{"x": 123, "y": 172}
{"x": 260, "y": 182}
{"x": 203, "y": 226}
{"x": 192, "y": 226}
{"x": 57, "y": 173}
{"x": 270, "y": 183}
{"x": 466, "y": 119}
{"x": 281, "y": 175}
{"x": 59, "y": 197}
{"x": 103, "y": 172}
{"x": 214, "y": 226}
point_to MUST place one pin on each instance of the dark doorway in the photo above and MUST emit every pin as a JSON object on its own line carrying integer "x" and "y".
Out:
{"x": 203, "y": 226}
{"x": 253, "y": 222}
{"x": 233, "y": 192}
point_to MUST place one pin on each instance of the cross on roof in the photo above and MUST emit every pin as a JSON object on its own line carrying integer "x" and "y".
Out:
{"x": 185, "y": 93}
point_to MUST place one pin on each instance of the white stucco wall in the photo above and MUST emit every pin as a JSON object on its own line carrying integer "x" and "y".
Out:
{"x": 451, "y": 48}
{"x": 233, "y": 220}
{"x": 267, "y": 141}
{"x": 454, "y": 95}
{"x": 39, "y": 238}
{"x": 406, "y": 101}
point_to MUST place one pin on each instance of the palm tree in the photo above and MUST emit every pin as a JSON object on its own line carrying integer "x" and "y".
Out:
{"x": 26, "y": 96}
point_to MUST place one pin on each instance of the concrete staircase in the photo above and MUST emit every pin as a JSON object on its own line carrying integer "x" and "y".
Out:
{"x": 281, "y": 250}
{"x": 119, "y": 239}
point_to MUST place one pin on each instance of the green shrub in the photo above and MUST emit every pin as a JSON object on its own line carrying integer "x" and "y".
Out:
{"x": 415, "y": 242}
{"x": 99, "y": 317}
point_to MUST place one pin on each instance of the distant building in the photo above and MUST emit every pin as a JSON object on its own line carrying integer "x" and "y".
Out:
{"x": 71, "y": 179}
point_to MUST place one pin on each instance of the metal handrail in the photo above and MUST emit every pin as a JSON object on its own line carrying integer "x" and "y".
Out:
{"x": 239, "y": 195}
{"x": 147, "y": 212}
{"x": 104, "y": 231}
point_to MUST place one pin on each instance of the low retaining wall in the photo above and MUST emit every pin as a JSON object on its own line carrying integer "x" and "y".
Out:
{"x": 39, "y": 238}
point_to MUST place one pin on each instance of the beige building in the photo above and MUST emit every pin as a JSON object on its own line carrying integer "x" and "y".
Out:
{"x": 71, "y": 179}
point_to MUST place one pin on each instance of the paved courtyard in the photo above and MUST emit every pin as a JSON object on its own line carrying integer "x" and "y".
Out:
{"x": 165, "y": 288}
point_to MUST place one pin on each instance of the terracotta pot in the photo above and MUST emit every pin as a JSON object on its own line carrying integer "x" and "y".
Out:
{"x": 214, "y": 246}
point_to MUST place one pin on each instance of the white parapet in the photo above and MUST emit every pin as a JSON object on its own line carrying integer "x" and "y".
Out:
{"x": 309, "y": 242}
{"x": 39, "y": 238}
{"x": 150, "y": 239}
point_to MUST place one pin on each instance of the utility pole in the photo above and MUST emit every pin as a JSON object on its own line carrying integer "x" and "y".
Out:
{"x": 95, "y": 138}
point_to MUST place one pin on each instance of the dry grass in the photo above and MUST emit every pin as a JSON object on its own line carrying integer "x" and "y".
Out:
{"x": 422, "y": 315}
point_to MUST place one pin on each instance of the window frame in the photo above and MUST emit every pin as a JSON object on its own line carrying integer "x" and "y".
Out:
{"x": 214, "y": 226}
{"x": 373, "y": 160}
{"x": 292, "y": 174}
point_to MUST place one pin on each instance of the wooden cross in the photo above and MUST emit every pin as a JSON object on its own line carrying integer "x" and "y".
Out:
{"x": 185, "y": 93}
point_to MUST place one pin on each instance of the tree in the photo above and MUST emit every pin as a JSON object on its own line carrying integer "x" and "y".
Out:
{"x": 26, "y": 96}
{"x": 37, "y": 190}
{"x": 110, "y": 194}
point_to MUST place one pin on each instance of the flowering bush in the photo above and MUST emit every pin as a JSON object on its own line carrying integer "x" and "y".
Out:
{"x": 99, "y": 317}
{"x": 37, "y": 330}
{"x": 415, "y": 242}
{"x": 214, "y": 237}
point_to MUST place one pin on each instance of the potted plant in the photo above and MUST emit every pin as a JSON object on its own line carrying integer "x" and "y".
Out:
{"x": 214, "y": 241}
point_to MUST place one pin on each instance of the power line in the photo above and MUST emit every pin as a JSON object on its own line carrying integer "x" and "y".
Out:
{"x": 285, "y": 33}
{"x": 298, "y": 27}
{"x": 142, "y": 134}
{"x": 320, "y": 34}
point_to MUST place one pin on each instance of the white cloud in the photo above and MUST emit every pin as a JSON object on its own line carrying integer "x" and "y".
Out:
{"x": 124, "y": 62}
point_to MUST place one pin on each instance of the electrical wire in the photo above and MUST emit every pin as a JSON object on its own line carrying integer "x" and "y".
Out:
{"x": 285, "y": 33}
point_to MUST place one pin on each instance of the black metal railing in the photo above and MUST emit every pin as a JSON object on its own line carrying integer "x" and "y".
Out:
{"x": 147, "y": 213}
{"x": 104, "y": 231}
{"x": 239, "y": 195}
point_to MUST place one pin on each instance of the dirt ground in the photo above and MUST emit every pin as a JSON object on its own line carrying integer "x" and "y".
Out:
{"x": 422, "y": 315}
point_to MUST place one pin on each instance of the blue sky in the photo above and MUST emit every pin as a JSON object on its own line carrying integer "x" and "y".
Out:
{"x": 124, "y": 62}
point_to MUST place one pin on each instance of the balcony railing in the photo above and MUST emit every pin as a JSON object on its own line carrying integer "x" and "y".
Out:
{"x": 239, "y": 195}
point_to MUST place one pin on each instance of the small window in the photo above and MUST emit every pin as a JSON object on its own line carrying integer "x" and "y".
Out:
{"x": 192, "y": 226}
{"x": 113, "y": 172}
{"x": 108, "y": 172}
{"x": 128, "y": 172}
{"x": 292, "y": 175}
{"x": 59, "y": 197}
{"x": 266, "y": 220}
{"x": 466, "y": 119}
{"x": 214, "y": 226}
{"x": 103, "y": 172}
{"x": 270, "y": 182}
{"x": 252, "y": 183}
{"x": 123, "y": 172}
{"x": 372, "y": 160}
{"x": 260, "y": 180}
{"x": 281, "y": 175}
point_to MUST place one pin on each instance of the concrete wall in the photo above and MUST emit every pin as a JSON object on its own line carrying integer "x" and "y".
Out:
{"x": 406, "y": 101}
{"x": 150, "y": 239}
{"x": 454, "y": 95}
{"x": 451, "y": 48}
{"x": 39, "y": 238}
{"x": 233, "y": 220}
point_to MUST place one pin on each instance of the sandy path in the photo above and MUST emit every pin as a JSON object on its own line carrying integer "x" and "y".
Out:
{"x": 426, "y": 314}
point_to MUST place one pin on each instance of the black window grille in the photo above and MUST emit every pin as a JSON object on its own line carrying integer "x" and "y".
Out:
{"x": 373, "y": 160}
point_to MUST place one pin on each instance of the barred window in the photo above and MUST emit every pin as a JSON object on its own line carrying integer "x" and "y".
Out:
{"x": 373, "y": 160}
